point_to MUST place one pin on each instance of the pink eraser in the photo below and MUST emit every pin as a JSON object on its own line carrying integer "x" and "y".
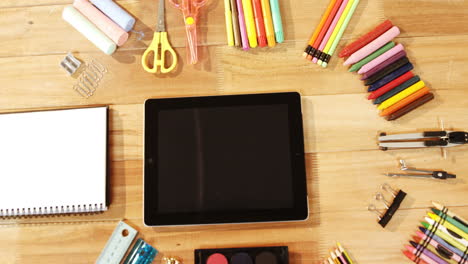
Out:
{"x": 373, "y": 46}
{"x": 377, "y": 61}
{"x": 105, "y": 24}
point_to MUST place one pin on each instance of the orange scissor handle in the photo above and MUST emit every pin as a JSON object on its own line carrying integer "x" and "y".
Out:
{"x": 158, "y": 48}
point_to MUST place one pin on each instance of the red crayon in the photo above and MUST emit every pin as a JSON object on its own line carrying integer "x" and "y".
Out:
{"x": 366, "y": 39}
{"x": 389, "y": 86}
{"x": 259, "y": 23}
{"x": 413, "y": 257}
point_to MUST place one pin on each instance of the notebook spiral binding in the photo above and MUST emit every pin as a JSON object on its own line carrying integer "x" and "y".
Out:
{"x": 48, "y": 210}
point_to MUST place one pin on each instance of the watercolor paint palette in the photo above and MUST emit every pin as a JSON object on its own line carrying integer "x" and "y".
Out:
{"x": 252, "y": 255}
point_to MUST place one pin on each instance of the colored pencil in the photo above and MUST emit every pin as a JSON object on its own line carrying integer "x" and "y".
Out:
{"x": 340, "y": 256}
{"x": 330, "y": 30}
{"x": 450, "y": 220}
{"x": 385, "y": 56}
{"x": 269, "y": 29}
{"x": 364, "y": 40}
{"x": 319, "y": 27}
{"x": 384, "y": 64}
{"x": 450, "y": 213}
{"x": 345, "y": 253}
{"x": 373, "y": 46}
{"x": 392, "y": 76}
{"x": 401, "y": 95}
{"x": 392, "y": 109}
{"x": 436, "y": 246}
{"x": 389, "y": 86}
{"x": 397, "y": 89}
{"x": 324, "y": 29}
{"x": 375, "y": 54}
{"x": 386, "y": 71}
{"x": 329, "y": 51}
{"x": 413, "y": 258}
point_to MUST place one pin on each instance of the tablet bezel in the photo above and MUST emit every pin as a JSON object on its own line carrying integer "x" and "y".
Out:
{"x": 300, "y": 209}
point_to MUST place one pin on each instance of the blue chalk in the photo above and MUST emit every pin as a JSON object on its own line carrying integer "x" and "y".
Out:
{"x": 115, "y": 13}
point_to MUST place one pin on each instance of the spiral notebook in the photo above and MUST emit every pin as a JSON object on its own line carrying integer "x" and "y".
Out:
{"x": 53, "y": 162}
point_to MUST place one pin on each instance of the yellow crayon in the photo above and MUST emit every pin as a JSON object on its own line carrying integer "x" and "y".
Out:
{"x": 401, "y": 95}
{"x": 250, "y": 23}
{"x": 448, "y": 225}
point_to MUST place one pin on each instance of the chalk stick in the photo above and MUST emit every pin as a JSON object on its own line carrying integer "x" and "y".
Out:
{"x": 115, "y": 13}
{"x": 88, "y": 29}
{"x": 105, "y": 24}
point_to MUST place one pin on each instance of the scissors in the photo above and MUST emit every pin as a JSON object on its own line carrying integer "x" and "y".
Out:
{"x": 159, "y": 47}
{"x": 189, "y": 9}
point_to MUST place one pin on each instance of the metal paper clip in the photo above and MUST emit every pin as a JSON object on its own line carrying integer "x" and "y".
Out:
{"x": 90, "y": 78}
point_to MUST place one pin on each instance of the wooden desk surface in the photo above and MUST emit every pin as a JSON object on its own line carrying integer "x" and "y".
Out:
{"x": 344, "y": 164}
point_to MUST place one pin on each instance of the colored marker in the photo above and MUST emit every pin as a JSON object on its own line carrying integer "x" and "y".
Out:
{"x": 392, "y": 109}
{"x": 426, "y": 252}
{"x": 315, "y": 52}
{"x": 450, "y": 213}
{"x": 250, "y": 23}
{"x": 413, "y": 258}
{"x": 392, "y": 76}
{"x": 343, "y": 27}
{"x": 410, "y": 107}
{"x": 442, "y": 250}
{"x": 377, "y": 61}
{"x": 426, "y": 234}
{"x": 364, "y": 40}
{"x": 450, "y": 220}
{"x": 397, "y": 89}
{"x": 277, "y": 23}
{"x": 344, "y": 252}
{"x": 228, "y": 16}
{"x": 444, "y": 236}
{"x": 449, "y": 231}
{"x": 242, "y": 26}
{"x": 269, "y": 29}
{"x": 373, "y": 46}
{"x": 401, "y": 95}
{"x": 375, "y": 54}
{"x": 235, "y": 24}
{"x": 259, "y": 23}
{"x": 319, "y": 27}
{"x": 337, "y": 15}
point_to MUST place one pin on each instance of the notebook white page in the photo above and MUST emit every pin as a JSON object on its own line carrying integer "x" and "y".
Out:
{"x": 53, "y": 161}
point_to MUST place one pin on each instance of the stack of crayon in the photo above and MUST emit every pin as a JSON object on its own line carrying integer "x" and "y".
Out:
{"x": 442, "y": 238}
{"x": 328, "y": 33}
{"x": 338, "y": 256}
{"x": 386, "y": 70}
{"x": 252, "y": 23}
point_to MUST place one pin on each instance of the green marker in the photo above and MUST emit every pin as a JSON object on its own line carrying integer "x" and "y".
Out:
{"x": 372, "y": 56}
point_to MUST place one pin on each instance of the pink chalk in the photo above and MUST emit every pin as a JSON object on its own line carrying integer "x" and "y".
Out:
{"x": 105, "y": 24}
{"x": 331, "y": 28}
{"x": 385, "y": 56}
{"x": 373, "y": 46}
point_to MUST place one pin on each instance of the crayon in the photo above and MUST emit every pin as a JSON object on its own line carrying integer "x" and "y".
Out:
{"x": 410, "y": 107}
{"x": 385, "y": 63}
{"x": 387, "y": 70}
{"x": 401, "y": 95}
{"x": 392, "y": 109}
{"x": 375, "y": 54}
{"x": 392, "y": 76}
{"x": 397, "y": 89}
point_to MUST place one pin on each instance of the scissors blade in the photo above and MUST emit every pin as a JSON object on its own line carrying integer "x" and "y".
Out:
{"x": 161, "y": 26}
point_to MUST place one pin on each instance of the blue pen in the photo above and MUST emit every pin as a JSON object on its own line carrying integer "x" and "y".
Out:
{"x": 277, "y": 23}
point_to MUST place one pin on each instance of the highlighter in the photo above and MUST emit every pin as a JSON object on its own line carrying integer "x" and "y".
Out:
{"x": 269, "y": 29}
{"x": 277, "y": 23}
{"x": 259, "y": 23}
{"x": 228, "y": 17}
{"x": 250, "y": 23}
{"x": 242, "y": 27}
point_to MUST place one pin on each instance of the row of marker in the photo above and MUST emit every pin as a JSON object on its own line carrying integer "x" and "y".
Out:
{"x": 328, "y": 33}
{"x": 442, "y": 238}
{"x": 338, "y": 255}
{"x": 386, "y": 70}
{"x": 252, "y": 23}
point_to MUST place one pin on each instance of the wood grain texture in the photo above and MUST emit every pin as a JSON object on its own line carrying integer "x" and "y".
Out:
{"x": 344, "y": 166}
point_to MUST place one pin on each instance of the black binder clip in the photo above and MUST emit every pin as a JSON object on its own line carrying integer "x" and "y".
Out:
{"x": 391, "y": 208}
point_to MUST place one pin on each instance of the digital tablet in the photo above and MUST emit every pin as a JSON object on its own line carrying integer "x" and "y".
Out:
{"x": 224, "y": 159}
